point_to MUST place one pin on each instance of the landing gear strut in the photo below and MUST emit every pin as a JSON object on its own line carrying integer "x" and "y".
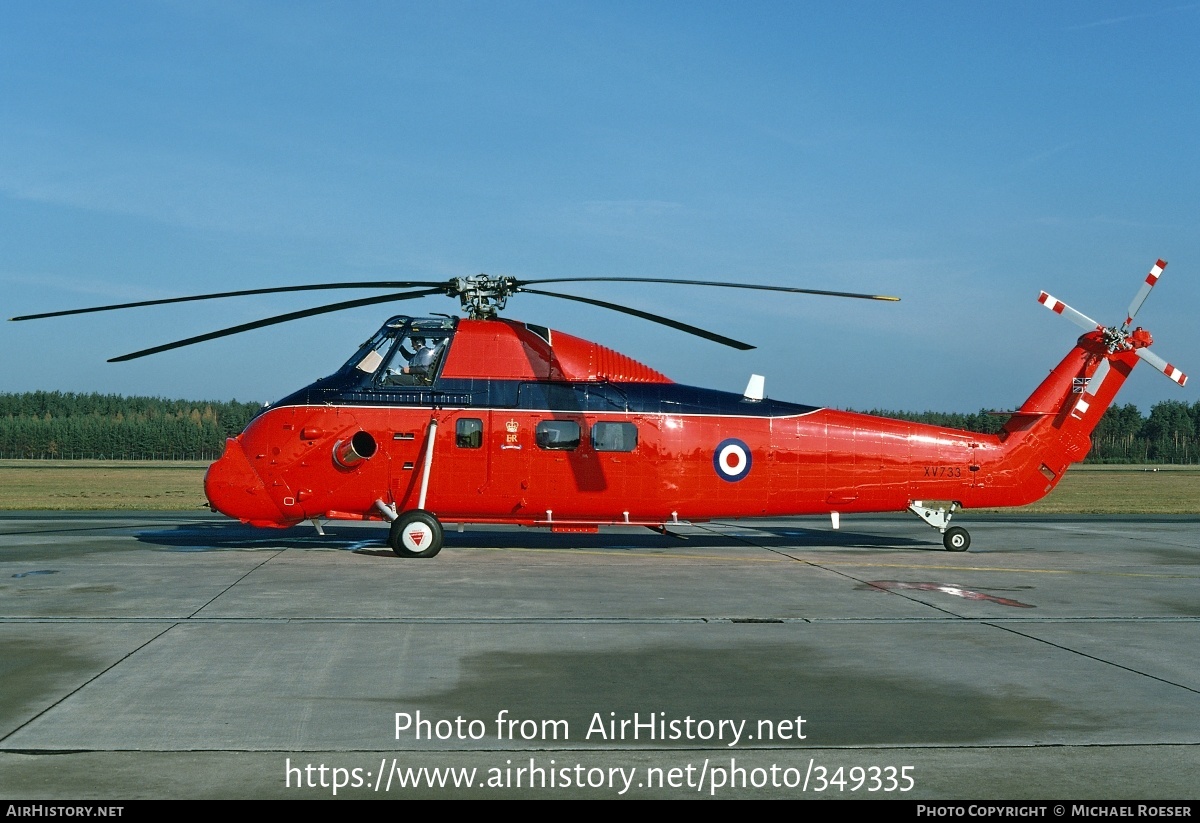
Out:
{"x": 415, "y": 533}
{"x": 937, "y": 513}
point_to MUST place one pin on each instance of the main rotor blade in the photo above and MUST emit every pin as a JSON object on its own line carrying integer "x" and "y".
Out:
{"x": 653, "y": 318}
{"x": 281, "y": 318}
{"x": 1078, "y": 318}
{"x": 1162, "y": 365}
{"x": 710, "y": 283}
{"x": 402, "y": 284}
{"x": 1140, "y": 298}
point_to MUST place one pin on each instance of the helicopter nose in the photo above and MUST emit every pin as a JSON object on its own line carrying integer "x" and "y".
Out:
{"x": 235, "y": 489}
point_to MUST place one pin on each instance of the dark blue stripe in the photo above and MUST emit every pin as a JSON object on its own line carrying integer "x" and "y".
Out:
{"x": 347, "y": 388}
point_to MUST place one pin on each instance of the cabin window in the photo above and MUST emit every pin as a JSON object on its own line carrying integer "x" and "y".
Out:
{"x": 614, "y": 437}
{"x": 558, "y": 434}
{"x": 469, "y": 433}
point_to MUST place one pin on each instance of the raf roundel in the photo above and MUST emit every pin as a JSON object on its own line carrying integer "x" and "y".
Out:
{"x": 732, "y": 460}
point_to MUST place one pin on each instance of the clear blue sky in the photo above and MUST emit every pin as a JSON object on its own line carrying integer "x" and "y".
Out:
{"x": 960, "y": 155}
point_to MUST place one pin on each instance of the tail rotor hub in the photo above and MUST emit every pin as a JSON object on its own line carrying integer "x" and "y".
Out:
{"x": 1120, "y": 338}
{"x": 1139, "y": 338}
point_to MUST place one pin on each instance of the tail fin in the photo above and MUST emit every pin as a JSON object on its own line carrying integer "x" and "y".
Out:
{"x": 1065, "y": 409}
{"x": 1053, "y": 428}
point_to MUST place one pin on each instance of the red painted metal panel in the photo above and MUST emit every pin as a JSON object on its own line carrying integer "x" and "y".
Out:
{"x": 692, "y": 466}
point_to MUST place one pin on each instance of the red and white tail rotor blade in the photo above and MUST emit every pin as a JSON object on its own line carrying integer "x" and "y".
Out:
{"x": 1144, "y": 291}
{"x": 1078, "y": 318}
{"x": 1162, "y": 365}
{"x": 1091, "y": 389}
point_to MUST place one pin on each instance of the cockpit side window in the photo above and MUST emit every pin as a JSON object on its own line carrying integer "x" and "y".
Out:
{"x": 370, "y": 362}
{"x": 415, "y": 358}
{"x": 406, "y": 351}
{"x": 370, "y": 354}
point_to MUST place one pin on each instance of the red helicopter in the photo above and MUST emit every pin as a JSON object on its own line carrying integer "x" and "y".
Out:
{"x": 487, "y": 420}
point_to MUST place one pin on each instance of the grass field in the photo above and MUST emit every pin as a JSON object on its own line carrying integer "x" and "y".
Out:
{"x": 1124, "y": 490}
{"x": 102, "y": 485}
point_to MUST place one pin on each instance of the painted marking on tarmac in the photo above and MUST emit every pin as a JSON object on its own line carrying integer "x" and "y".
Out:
{"x": 1012, "y": 570}
{"x": 944, "y": 588}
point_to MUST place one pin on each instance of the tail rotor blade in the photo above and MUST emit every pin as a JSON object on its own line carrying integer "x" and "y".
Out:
{"x": 1144, "y": 291}
{"x": 1078, "y": 318}
{"x": 1097, "y": 380}
{"x": 1090, "y": 389}
{"x": 1162, "y": 365}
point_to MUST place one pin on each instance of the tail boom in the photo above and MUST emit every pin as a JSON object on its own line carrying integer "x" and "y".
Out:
{"x": 1053, "y": 428}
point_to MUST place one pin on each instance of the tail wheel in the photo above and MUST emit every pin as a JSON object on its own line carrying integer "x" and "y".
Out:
{"x": 416, "y": 533}
{"x": 956, "y": 539}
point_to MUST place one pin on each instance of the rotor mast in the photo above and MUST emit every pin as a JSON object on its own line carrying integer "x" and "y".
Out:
{"x": 482, "y": 297}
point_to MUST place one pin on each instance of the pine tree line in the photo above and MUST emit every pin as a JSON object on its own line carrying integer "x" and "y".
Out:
{"x": 66, "y": 425}
{"x": 1171, "y": 434}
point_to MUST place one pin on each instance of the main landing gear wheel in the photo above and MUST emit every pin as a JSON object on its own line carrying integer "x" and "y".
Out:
{"x": 956, "y": 539}
{"x": 415, "y": 533}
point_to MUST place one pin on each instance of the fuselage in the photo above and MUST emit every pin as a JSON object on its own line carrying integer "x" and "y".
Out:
{"x": 537, "y": 427}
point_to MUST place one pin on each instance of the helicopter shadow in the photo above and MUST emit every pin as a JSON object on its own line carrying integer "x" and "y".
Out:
{"x": 213, "y": 537}
{"x": 781, "y": 537}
